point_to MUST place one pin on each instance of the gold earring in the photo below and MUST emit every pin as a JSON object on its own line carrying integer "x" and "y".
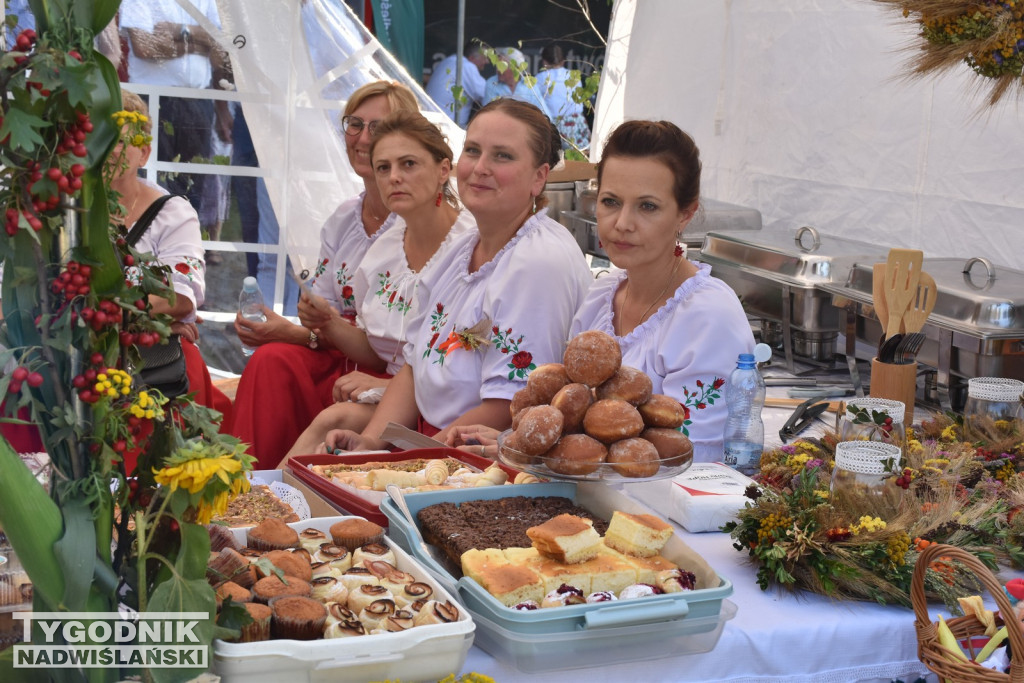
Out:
{"x": 535, "y": 205}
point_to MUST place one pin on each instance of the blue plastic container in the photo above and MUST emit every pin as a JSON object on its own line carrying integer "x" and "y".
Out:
{"x": 539, "y": 640}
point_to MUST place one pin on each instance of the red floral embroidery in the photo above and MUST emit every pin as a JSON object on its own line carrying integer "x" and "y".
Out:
{"x": 346, "y": 292}
{"x": 700, "y": 399}
{"x": 182, "y": 268}
{"x": 522, "y": 360}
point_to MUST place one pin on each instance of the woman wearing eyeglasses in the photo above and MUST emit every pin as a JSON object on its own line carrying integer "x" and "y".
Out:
{"x": 292, "y": 362}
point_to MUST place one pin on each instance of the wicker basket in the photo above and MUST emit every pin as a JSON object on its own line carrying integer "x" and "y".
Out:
{"x": 929, "y": 651}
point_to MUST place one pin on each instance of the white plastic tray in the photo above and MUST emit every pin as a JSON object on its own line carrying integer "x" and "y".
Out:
{"x": 424, "y": 653}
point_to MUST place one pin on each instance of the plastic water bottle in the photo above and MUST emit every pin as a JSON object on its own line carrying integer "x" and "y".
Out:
{"x": 744, "y": 430}
{"x": 250, "y": 306}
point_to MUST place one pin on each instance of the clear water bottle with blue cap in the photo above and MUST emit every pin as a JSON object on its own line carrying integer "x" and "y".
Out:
{"x": 744, "y": 396}
{"x": 250, "y": 306}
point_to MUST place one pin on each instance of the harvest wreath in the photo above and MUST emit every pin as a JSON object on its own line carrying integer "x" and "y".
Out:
{"x": 864, "y": 547}
{"x": 987, "y": 35}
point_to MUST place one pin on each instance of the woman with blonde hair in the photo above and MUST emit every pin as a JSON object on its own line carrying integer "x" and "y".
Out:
{"x": 292, "y": 362}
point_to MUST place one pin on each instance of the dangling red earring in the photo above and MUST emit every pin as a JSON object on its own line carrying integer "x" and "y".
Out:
{"x": 440, "y": 195}
{"x": 679, "y": 247}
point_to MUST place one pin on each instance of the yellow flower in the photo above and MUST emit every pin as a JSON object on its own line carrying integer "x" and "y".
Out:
{"x": 193, "y": 475}
{"x": 949, "y": 434}
{"x": 868, "y": 524}
{"x": 821, "y": 493}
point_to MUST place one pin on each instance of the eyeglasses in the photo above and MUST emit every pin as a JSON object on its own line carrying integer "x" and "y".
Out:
{"x": 353, "y": 125}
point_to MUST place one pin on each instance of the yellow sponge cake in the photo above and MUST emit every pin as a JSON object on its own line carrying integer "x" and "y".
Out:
{"x": 512, "y": 584}
{"x": 566, "y": 538}
{"x": 638, "y": 535}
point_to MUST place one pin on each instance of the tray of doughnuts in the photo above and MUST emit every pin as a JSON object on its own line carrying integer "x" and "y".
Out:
{"x": 592, "y": 418}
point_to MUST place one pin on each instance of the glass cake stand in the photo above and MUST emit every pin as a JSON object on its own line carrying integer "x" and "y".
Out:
{"x": 539, "y": 466}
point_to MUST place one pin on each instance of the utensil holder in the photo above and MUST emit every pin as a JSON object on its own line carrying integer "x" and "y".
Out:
{"x": 897, "y": 383}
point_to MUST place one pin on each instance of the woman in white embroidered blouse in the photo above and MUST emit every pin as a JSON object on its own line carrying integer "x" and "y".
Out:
{"x": 673, "y": 320}
{"x": 412, "y": 164}
{"x": 501, "y": 302}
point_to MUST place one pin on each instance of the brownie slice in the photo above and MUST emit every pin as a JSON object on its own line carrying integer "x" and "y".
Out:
{"x": 500, "y": 523}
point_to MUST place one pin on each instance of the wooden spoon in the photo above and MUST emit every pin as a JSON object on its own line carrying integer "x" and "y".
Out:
{"x": 878, "y": 296}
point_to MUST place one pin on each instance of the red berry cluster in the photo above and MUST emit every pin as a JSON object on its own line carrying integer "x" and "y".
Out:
{"x": 903, "y": 481}
{"x": 85, "y": 383}
{"x": 25, "y": 40}
{"x": 887, "y": 425}
{"x": 21, "y": 375}
{"x": 73, "y": 280}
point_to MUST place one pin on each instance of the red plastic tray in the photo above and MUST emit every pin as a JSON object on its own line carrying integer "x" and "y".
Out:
{"x": 300, "y": 467}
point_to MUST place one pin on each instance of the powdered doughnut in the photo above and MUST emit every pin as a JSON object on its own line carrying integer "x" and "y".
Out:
{"x": 634, "y": 458}
{"x": 576, "y": 454}
{"x": 662, "y": 411}
{"x": 592, "y": 357}
{"x": 673, "y": 447}
{"x": 612, "y": 420}
{"x": 511, "y": 451}
{"x": 539, "y": 430}
{"x": 522, "y": 399}
{"x": 518, "y": 417}
{"x": 628, "y": 384}
{"x": 573, "y": 400}
{"x": 545, "y": 380}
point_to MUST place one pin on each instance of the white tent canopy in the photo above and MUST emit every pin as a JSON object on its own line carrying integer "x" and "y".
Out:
{"x": 800, "y": 112}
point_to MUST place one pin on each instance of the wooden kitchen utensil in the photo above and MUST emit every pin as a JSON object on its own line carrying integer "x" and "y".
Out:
{"x": 878, "y": 298}
{"x": 921, "y": 305}
{"x": 902, "y": 274}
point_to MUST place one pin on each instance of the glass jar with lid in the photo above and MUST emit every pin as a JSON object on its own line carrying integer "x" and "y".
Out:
{"x": 864, "y": 469}
{"x": 991, "y": 401}
{"x": 873, "y": 419}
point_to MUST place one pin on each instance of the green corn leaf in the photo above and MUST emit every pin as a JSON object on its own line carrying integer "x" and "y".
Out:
{"x": 76, "y": 552}
{"x": 33, "y": 524}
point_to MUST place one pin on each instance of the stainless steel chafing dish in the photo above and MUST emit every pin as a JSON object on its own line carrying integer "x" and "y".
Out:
{"x": 778, "y": 275}
{"x": 713, "y": 216}
{"x": 975, "y": 330}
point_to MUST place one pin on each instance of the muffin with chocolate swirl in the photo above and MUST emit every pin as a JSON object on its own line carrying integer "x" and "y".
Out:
{"x": 372, "y": 552}
{"x": 410, "y": 593}
{"x": 378, "y": 610}
{"x": 434, "y": 612}
{"x": 329, "y": 589}
{"x": 401, "y": 620}
{"x": 311, "y": 539}
{"x": 362, "y": 596}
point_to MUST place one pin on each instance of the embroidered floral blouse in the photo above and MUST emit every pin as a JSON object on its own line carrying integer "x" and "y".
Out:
{"x": 175, "y": 240}
{"x": 343, "y": 244}
{"x": 688, "y": 348}
{"x": 385, "y": 289}
{"x": 480, "y": 334}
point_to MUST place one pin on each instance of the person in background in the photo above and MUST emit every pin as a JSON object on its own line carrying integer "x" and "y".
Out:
{"x": 413, "y": 164}
{"x": 673, "y": 320}
{"x": 292, "y": 363}
{"x": 566, "y": 112}
{"x": 174, "y": 239}
{"x": 168, "y": 47}
{"x": 509, "y": 83}
{"x": 501, "y": 301}
{"x": 441, "y": 85}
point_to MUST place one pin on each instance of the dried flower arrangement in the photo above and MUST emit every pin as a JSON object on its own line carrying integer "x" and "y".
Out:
{"x": 863, "y": 545}
{"x": 987, "y": 35}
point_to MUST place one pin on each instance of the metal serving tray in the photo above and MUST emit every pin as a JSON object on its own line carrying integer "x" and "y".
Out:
{"x": 976, "y": 328}
{"x": 778, "y": 275}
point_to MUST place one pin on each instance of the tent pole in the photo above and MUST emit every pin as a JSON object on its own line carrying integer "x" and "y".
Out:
{"x": 460, "y": 36}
